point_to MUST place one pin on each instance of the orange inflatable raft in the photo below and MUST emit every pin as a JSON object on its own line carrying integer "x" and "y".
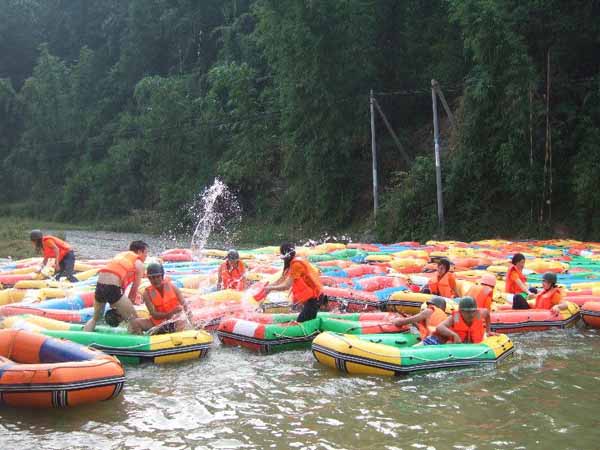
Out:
{"x": 38, "y": 371}
{"x": 590, "y": 312}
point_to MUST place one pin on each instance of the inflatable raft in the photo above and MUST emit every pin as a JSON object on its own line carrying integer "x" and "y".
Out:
{"x": 522, "y": 320}
{"x": 268, "y": 333}
{"x": 129, "y": 348}
{"x": 393, "y": 354}
{"x": 590, "y": 313}
{"x": 43, "y": 372}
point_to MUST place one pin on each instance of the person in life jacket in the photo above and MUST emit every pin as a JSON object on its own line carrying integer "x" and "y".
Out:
{"x": 164, "y": 303}
{"x": 53, "y": 247}
{"x": 468, "y": 325}
{"x": 444, "y": 283}
{"x": 516, "y": 282}
{"x": 551, "y": 296}
{"x": 427, "y": 320}
{"x": 483, "y": 292}
{"x": 232, "y": 272}
{"x": 303, "y": 279}
{"x": 125, "y": 269}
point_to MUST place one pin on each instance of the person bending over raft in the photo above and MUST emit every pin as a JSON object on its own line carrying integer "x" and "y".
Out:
{"x": 428, "y": 319}
{"x": 303, "y": 278}
{"x": 231, "y": 272}
{"x": 445, "y": 281}
{"x": 164, "y": 301}
{"x": 483, "y": 292}
{"x": 468, "y": 325}
{"x": 516, "y": 282}
{"x": 124, "y": 269}
{"x": 53, "y": 247}
{"x": 551, "y": 296}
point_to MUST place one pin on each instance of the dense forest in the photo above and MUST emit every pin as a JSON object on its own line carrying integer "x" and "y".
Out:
{"x": 108, "y": 107}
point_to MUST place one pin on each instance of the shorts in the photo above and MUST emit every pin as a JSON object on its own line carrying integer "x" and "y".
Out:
{"x": 166, "y": 328}
{"x": 310, "y": 308}
{"x": 108, "y": 293}
{"x": 431, "y": 340}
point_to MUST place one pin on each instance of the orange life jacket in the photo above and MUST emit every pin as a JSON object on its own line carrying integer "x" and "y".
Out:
{"x": 472, "y": 334}
{"x": 233, "y": 279}
{"x": 48, "y": 252}
{"x": 511, "y": 286}
{"x": 443, "y": 285}
{"x": 427, "y": 327}
{"x": 483, "y": 296}
{"x": 123, "y": 266}
{"x": 307, "y": 285}
{"x": 165, "y": 302}
{"x": 547, "y": 299}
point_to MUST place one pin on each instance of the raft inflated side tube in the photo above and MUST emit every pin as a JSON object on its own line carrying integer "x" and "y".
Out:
{"x": 37, "y": 371}
{"x": 397, "y": 354}
{"x": 135, "y": 349}
{"x": 522, "y": 320}
{"x": 590, "y": 312}
{"x": 268, "y": 338}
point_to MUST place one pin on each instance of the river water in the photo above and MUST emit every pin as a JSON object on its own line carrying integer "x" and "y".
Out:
{"x": 543, "y": 397}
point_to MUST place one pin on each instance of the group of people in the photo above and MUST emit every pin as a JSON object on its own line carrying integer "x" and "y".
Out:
{"x": 168, "y": 311}
{"x": 471, "y": 323}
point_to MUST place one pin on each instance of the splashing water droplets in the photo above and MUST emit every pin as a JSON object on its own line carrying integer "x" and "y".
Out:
{"x": 215, "y": 211}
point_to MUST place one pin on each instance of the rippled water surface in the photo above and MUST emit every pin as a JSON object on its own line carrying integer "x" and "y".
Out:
{"x": 546, "y": 396}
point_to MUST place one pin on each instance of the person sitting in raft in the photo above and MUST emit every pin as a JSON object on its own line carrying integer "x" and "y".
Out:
{"x": 516, "y": 282}
{"x": 53, "y": 247}
{"x": 303, "y": 278}
{"x": 428, "y": 319}
{"x": 468, "y": 325}
{"x": 124, "y": 269}
{"x": 483, "y": 292}
{"x": 551, "y": 296}
{"x": 231, "y": 272}
{"x": 445, "y": 282}
{"x": 164, "y": 302}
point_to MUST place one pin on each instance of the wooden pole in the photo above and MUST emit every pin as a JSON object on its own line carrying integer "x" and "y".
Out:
{"x": 374, "y": 156}
{"x": 438, "y": 166}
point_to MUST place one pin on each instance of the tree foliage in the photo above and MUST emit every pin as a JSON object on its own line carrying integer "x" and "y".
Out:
{"x": 112, "y": 106}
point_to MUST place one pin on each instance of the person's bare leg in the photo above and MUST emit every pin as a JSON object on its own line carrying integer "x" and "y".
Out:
{"x": 98, "y": 311}
{"x": 138, "y": 326}
{"x": 125, "y": 308}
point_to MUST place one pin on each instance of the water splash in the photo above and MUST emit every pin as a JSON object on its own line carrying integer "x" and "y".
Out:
{"x": 216, "y": 211}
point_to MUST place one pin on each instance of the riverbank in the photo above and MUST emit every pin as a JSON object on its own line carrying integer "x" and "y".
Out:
{"x": 14, "y": 233}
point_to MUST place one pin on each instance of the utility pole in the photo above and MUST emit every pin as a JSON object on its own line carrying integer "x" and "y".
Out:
{"x": 438, "y": 166}
{"x": 374, "y": 154}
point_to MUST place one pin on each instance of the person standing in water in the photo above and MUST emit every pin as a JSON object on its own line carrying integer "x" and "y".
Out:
{"x": 53, "y": 247}
{"x": 124, "y": 269}
{"x": 231, "y": 272}
{"x": 303, "y": 279}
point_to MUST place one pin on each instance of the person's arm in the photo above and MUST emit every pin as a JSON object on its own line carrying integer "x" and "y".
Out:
{"x": 520, "y": 283}
{"x": 485, "y": 315}
{"x": 444, "y": 330}
{"x": 452, "y": 283}
{"x": 139, "y": 274}
{"x": 283, "y": 285}
{"x": 219, "y": 280}
{"x": 559, "y": 303}
{"x": 180, "y": 299}
{"x": 423, "y": 315}
{"x": 56, "y": 251}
